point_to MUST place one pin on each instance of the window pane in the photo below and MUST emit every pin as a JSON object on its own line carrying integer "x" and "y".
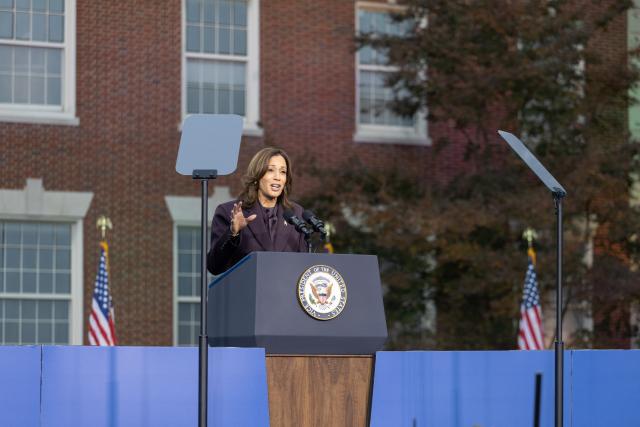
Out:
{"x": 209, "y": 11}
{"x": 45, "y": 332}
{"x": 5, "y": 88}
{"x": 21, "y": 89}
{"x": 56, "y": 28}
{"x": 238, "y": 102}
{"x": 39, "y": 5}
{"x": 23, "y": 26}
{"x": 29, "y": 282}
{"x": 184, "y": 263}
{"x": 21, "y": 58}
{"x": 54, "y": 96}
{"x": 6, "y": 4}
{"x": 29, "y": 258}
{"x": 39, "y": 27}
{"x": 45, "y": 310}
{"x": 209, "y": 40}
{"x": 12, "y": 233}
{"x": 11, "y": 333}
{"x": 240, "y": 42}
{"x": 193, "y": 11}
{"x": 6, "y": 58}
{"x": 185, "y": 240}
{"x": 46, "y": 259}
{"x": 61, "y": 333}
{"x": 46, "y": 234}
{"x": 240, "y": 14}
{"x": 193, "y": 38}
{"x": 193, "y": 99}
{"x": 12, "y": 309}
{"x": 45, "y": 280}
{"x": 56, "y": 6}
{"x": 63, "y": 283}
{"x": 6, "y": 25}
{"x": 37, "y": 90}
{"x": 224, "y": 12}
{"x": 185, "y": 286}
{"x": 224, "y": 41}
{"x": 63, "y": 235}
{"x": 12, "y": 281}
{"x": 29, "y": 309}
{"x": 63, "y": 259}
{"x": 13, "y": 258}
{"x": 60, "y": 310}
{"x": 23, "y": 4}
{"x": 54, "y": 61}
{"x": 28, "y": 333}
{"x": 29, "y": 234}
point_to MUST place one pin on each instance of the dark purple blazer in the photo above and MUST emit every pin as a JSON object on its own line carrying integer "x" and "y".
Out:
{"x": 225, "y": 251}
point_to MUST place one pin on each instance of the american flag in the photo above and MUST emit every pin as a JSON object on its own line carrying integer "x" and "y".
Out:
{"x": 530, "y": 336}
{"x": 101, "y": 320}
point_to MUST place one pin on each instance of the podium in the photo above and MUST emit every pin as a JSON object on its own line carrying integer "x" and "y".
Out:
{"x": 259, "y": 303}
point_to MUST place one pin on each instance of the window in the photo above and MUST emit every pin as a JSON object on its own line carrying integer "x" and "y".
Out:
{"x": 376, "y": 121}
{"x": 185, "y": 213}
{"x": 188, "y": 292}
{"x": 221, "y": 59}
{"x": 35, "y": 283}
{"x": 37, "y": 61}
{"x": 41, "y": 265}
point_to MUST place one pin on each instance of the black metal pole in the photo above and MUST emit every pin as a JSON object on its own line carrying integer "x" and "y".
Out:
{"x": 559, "y": 344}
{"x": 204, "y": 347}
{"x": 536, "y": 402}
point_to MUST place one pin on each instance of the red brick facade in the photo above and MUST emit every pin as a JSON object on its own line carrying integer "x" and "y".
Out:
{"x": 128, "y": 101}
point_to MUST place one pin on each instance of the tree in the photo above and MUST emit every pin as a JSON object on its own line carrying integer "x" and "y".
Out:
{"x": 539, "y": 69}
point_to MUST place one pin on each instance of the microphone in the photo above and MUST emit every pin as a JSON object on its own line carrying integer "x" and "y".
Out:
{"x": 315, "y": 222}
{"x": 300, "y": 226}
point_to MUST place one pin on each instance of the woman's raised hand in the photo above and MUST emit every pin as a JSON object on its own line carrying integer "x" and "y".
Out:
{"x": 238, "y": 220}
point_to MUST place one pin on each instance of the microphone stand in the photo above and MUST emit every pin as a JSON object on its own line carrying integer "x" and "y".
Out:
{"x": 307, "y": 238}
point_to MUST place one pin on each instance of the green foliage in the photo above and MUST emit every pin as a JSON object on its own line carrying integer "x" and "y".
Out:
{"x": 520, "y": 66}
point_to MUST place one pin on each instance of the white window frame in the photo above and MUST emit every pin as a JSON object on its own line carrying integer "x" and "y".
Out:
{"x": 43, "y": 114}
{"x": 35, "y": 204}
{"x": 185, "y": 212}
{"x": 252, "y": 60}
{"x": 416, "y": 135}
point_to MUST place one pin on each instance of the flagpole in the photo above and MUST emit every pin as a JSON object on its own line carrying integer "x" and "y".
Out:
{"x": 559, "y": 344}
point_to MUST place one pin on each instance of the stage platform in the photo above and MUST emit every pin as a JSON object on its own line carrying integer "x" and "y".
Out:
{"x": 157, "y": 386}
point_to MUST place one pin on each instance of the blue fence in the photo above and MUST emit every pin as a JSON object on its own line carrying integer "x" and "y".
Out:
{"x": 496, "y": 389}
{"x": 129, "y": 386}
{"x": 157, "y": 386}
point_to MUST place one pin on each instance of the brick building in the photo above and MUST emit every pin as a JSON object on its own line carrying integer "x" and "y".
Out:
{"x": 92, "y": 95}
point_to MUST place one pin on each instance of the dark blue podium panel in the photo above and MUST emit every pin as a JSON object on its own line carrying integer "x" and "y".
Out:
{"x": 462, "y": 388}
{"x": 606, "y": 388}
{"x": 20, "y": 385}
{"x": 256, "y": 304}
{"x": 151, "y": 386}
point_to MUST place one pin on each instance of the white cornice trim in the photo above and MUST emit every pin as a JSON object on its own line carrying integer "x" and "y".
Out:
{"x": 34, "y": 202}
{"x": 185, "y": 210}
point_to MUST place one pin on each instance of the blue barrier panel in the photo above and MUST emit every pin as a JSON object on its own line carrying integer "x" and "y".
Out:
{"x": 488, "y": 388}
{"x": 20, "y": 386}
{"x": 606, "y": 388}
{"x": 151, "y": 386}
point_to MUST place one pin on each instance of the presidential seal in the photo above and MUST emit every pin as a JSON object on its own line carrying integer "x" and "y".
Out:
{"x": 322, "y": 292}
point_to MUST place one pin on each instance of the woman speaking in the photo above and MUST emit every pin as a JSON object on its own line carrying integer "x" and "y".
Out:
{"x": 255, "y": 221}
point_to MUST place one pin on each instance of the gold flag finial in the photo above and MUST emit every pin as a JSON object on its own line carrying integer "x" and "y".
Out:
{"x": 330, "y": 230}
{"x": 529, "y": 235}
{"x": 103, "y": 223}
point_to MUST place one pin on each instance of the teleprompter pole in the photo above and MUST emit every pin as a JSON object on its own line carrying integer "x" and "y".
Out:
{"x": 204, "y": 176}
{"x": 559, "y": 344}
